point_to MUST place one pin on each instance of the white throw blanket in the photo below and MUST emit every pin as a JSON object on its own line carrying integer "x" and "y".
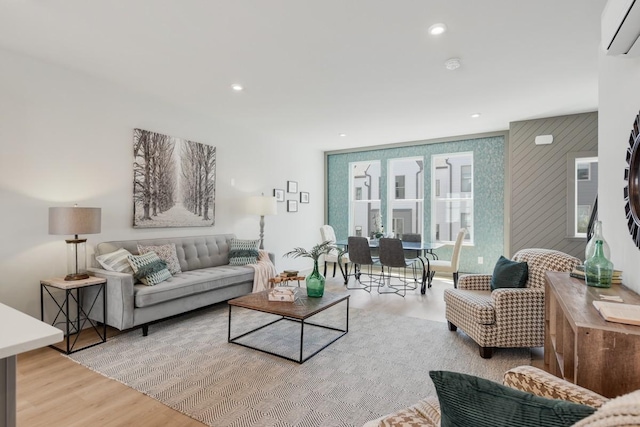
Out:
{"x": 264, "y": 270}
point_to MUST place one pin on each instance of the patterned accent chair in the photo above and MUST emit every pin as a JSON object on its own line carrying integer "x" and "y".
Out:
{"x": 532, "y": 380}
{"x": 506, "y": 317}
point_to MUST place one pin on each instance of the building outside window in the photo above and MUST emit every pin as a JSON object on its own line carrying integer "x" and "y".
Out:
{"x": 452, "y": 206}
{"x": 364, "y": 196}
{"x": 405, "y": 209}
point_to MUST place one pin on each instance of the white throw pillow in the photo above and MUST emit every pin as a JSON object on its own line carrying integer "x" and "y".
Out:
{"x": 116, "y": 261}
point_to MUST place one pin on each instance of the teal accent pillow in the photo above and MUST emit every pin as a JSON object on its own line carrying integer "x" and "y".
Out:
{"x": 509, "y": 274}
{"x": 466, "y": 400}
{"x": 149, "y": 268}
{"x": 243, "y": 252}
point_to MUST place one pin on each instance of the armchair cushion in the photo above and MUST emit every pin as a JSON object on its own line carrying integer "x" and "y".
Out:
{"x": 509, "y": 274}
{"x": 541, "y": 383}
{"x": 472, "y": 401}
{"x": 476, "y": 305}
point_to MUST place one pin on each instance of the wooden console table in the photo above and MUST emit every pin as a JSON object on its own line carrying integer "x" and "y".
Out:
{"x": 583, "y": 348}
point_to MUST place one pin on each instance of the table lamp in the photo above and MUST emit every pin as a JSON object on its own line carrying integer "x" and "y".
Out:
{"x": 262, "y": 205}
{"x": 75, "y": 220}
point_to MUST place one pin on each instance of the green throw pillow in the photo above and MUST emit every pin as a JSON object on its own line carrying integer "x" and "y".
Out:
{"x": 243, "y": 252}
{"x": 149, "y": 268}
{"x": 466, "y": 400}
{"x": 509, "y": 274}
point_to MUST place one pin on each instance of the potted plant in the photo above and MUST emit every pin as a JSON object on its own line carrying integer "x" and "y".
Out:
{"x": 315, "y": 280}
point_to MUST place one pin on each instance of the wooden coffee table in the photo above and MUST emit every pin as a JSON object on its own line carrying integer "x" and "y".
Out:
{"x": 299, "y": 311}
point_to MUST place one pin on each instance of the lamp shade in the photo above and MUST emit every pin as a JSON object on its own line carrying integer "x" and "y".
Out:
{"x": 74, "y": 220}
{"x": 262, "y": 205}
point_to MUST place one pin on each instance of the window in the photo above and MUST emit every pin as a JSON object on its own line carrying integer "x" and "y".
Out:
{"x": 465, "y": 178}
{"x": 399, "y": 186}
{"x": 452, "y": 196}
{"x": 364, "y": 206}
{"x": 405, "y": 208}
{"x": 358, "y": 193}
{"x": 582, "y": 190}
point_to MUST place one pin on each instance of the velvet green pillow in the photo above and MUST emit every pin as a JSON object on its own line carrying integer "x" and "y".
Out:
{"x": 509, "y": 274}
{"x": 466, "y": 400}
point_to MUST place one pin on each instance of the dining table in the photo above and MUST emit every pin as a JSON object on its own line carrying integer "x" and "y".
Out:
{"x": 421, "y": 248}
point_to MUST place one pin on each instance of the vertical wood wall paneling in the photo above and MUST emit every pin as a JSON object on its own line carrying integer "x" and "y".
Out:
{"x": 539, "y": 180}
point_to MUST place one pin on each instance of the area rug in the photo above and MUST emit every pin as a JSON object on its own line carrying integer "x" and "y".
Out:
{"x": 381, "y": 365}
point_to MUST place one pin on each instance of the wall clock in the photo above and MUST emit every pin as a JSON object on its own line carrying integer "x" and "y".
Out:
{"x": 632, "y": 183}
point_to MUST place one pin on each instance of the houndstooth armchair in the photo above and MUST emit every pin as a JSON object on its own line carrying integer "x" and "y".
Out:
{"x": 506, "y": 317}
{"x": 426, "y": 412}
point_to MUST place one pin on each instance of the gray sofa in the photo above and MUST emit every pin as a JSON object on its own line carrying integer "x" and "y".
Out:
{"x": 206, "y": 278}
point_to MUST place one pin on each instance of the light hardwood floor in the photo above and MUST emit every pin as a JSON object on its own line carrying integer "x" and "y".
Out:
{"x": 55, "y": 391}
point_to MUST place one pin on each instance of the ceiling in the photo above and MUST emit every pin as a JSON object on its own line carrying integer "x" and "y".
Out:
{"x": 315, "y": 69}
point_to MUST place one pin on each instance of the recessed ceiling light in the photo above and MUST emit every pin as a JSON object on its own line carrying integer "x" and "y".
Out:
{"x": 475, "y": 115}
{"x": 342, "y": 134}
{"x": 437, "y": 29}
{"x": 452, "y": 64}
{"x": 237, "y": 87}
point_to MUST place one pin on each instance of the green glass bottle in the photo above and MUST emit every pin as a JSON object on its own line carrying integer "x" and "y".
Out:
{"x": 598, "y": 269}
{"x": 315, "y": 282}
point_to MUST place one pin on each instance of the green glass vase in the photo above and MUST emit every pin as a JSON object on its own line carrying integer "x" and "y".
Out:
{"x": 598, "y": 269}
{"x": 315, "y": 282}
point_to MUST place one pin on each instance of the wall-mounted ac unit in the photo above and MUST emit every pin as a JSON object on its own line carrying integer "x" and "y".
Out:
{"x": 621, "y": 27}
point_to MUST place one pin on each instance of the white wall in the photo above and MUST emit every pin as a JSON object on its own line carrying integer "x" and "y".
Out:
{"x": 67, "y": 138}
{"x": 619, "y": 87}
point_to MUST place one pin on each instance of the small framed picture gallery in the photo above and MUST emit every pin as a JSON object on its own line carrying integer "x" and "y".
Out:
{"x": 278, "y": 194}
{"x": 292, "y": 186}
{"x": 304, "y": 197}
{"x": 292, "y": 206}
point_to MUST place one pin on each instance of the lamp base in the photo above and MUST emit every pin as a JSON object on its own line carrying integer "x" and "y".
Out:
{"x": 76, "y": 276}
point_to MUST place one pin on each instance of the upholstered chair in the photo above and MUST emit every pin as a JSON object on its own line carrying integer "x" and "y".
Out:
{"x": 449, "y": 266}
{"x": 328, "y": 234}
{"x": 427, "y": 413}
{"x": 505, "y": 317}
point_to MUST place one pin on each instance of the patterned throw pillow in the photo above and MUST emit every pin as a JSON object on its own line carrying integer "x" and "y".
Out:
{"x": 149, "y": 268}
{"x": 167, "y": 253}
{"x": 243, "y": 252}
{"x": 116, "y": 261}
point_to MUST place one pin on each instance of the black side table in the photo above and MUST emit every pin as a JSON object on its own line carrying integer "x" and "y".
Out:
{"x": 73, "y": 294}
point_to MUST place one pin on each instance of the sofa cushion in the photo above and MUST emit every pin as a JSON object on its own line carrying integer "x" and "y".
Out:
{"x": 149, "y": 268}
{"x": 167, "y": 253}
{"x": 117, "y": 260}
{"x": 243, "y": 252}
{"x": 466, "y": 400}
{"x": 509, "y": 274}
{"x": 192, "y": 282}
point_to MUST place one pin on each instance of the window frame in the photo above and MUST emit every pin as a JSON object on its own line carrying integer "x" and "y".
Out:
{"x": 573, "y": 180}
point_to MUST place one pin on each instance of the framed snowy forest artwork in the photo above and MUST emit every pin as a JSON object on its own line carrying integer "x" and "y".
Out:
{"x": 174, "y": 181}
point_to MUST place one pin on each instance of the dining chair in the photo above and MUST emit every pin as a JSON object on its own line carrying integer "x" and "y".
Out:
{"x": 392, "y": 256}
{"x": 328, "y": 234}
{"x": 359, "y": 256}
{"x": 449, "y": 266}
{"x": 412, "y": 237}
